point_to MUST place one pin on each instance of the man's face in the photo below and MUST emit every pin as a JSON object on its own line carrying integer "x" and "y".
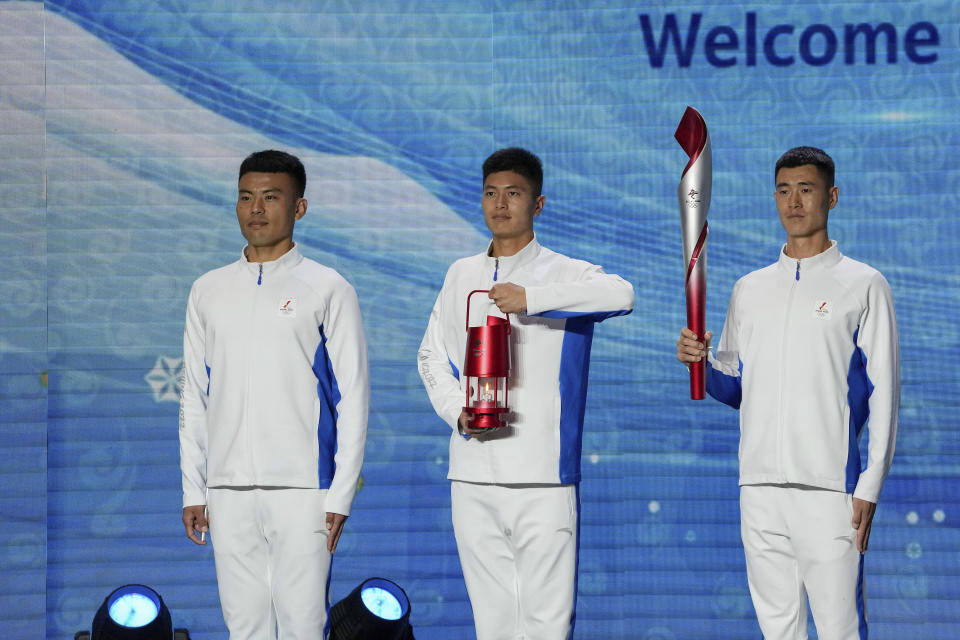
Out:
{"x": 266, "y": 209}
{"x": 803, "y": 200}
{"x": 509, "y": 205}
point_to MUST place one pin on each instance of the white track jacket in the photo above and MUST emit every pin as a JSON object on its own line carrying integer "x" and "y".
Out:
{"x": 810, "y": 347}
{"x": 550, "y": 358}
{"x": 275, "y": 381}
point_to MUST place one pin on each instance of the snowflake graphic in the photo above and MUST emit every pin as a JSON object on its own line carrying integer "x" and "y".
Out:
{"x": 164, "y": 379}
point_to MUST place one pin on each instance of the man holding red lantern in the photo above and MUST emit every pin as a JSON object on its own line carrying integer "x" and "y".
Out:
{"x": 514, "y": 490}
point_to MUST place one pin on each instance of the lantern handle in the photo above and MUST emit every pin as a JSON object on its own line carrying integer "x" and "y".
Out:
{"x": 467, "y": 323}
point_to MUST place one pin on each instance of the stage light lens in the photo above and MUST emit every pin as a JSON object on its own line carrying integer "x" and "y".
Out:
{"x": 381, "y": 603}
{"x": 133, "y": 606}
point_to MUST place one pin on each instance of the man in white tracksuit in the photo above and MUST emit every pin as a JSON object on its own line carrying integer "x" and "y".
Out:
{"x": 273, "y": 413}
{"x": 514, "y": 491}
{"x": 809, "y": 352}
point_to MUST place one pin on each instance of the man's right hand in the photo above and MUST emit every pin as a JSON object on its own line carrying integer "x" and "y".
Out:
{"x": 464, "y": 429}
{"x": 689, "y": 347}
{"x": 195, "y": 521}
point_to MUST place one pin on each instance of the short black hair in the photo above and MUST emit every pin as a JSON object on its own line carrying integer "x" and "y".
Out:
{"x": 799, "y": 156}
{"x": 519, "y": 161}
{"x": 273, "y": 161}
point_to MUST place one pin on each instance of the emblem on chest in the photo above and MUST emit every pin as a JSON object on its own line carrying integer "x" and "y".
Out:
{"x": 822, "y": 309}
{"x": 287, "y": 307}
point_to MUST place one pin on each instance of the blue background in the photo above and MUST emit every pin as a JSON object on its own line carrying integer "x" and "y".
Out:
{"x": 123, "y": 124}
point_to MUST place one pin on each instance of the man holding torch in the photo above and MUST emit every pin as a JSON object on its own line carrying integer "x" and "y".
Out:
{"x": 514, "y": 489}
{"x": 809, "y": 352}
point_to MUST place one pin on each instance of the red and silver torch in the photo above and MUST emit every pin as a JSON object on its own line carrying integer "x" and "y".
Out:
{"x": 487, "y": 366}
{"x": 694, "y": 199}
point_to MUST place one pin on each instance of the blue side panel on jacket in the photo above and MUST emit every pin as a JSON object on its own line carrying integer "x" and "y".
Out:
{"x": 574, "y": 371}
{"x": 329, "y": 394}
{"x": 859, "y": 389}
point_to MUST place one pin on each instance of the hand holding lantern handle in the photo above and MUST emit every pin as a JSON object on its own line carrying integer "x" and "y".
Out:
{"x": 470, "y": 295}
{"x": 693, "y": 194}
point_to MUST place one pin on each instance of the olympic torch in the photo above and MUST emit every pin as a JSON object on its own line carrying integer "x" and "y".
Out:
{"x": 693, "y": 194}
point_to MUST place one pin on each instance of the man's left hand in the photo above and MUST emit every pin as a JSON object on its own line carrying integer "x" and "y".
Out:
{"x": 509, "y": 297}
{"x": 335, "y": 527}
{"x": 862, "y": 519}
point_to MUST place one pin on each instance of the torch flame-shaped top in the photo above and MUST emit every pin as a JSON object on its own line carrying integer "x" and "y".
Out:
{"x": 692, "y": 135}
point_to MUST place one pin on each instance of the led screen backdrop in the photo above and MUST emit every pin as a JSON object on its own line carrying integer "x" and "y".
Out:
{"x": 122, "y": 125}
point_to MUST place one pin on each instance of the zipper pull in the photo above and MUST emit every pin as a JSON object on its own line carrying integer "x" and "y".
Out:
{"x": 260, "y": 277}
{"x": 496, "y": 267}
{"x": 798, "y": 271}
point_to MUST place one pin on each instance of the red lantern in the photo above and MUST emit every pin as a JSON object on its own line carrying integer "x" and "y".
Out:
{"x": 486, "y": 366}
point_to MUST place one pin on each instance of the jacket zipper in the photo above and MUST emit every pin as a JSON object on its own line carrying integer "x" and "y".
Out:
{"x": 496, "y": 268}
{"x": 784, "y": 346}
{"x": 247, "y": 412}
{"x": 260, "y": 276}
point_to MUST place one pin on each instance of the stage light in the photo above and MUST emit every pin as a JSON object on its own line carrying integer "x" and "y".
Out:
{"x": 378, "y": 609}
{"x": 133, "y": 612}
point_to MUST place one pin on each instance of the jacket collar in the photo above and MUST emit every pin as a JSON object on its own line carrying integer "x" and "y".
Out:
{"x": 506, "y": 265}
{"x": 286, "y": 261}
{"x": 824, "y": 259}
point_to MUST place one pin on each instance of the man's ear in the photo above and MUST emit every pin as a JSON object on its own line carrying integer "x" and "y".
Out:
{"x": 540, "y": 200}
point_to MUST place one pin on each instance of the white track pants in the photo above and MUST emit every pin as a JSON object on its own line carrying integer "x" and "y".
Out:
{"x": 799, "y": 543}
{"x": 273, "y": 567}
{"x": 518, "y": 551}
